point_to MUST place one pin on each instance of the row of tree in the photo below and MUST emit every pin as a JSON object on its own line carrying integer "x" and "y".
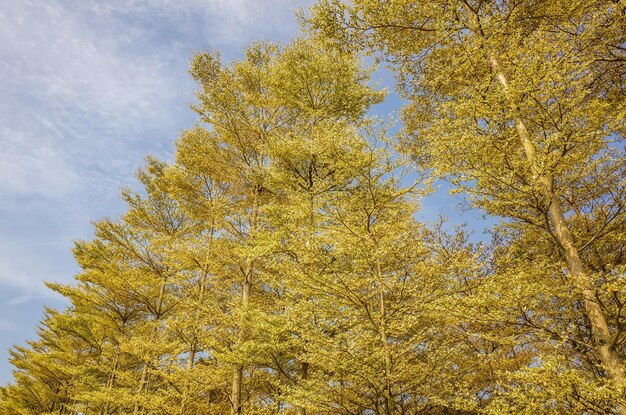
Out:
{"x": 276, "y": 266}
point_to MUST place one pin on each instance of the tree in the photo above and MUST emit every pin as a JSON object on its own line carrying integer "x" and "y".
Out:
{"x": 364, "y": 295}
{"x": 520, "y": 104}
{"x": 49, "y": 371}
{"x": 222, "y": 171}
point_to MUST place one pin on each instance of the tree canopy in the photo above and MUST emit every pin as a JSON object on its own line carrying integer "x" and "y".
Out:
{"x": 276, "y": 265}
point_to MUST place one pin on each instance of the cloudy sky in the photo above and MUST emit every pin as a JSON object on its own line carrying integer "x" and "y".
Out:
{"x": 87, "y": 90}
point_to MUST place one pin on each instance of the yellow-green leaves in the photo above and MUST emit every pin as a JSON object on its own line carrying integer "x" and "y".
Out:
{"x": 275, "y": 266}
{"x": 521, "y": 106}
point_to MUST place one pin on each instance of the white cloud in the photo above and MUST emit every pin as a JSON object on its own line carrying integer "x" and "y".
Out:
{"x": 69, "y": 90}
{"x": 29, "y": 165}
{"x": 87, "y": 89}
{"x": 87, "y": 80}
{"x": 228, "y": 23}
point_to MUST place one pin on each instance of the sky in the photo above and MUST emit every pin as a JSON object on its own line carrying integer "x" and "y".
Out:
{"x": 87, "y": 90}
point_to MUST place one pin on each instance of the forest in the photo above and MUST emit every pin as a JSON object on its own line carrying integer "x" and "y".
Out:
{"x": 276, "y": 265}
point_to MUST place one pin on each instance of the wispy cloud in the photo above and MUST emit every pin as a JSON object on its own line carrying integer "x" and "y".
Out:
{"x": 71, "y": 91}
{"x": 86, "y": 81}
{"x": 87, "y": 89}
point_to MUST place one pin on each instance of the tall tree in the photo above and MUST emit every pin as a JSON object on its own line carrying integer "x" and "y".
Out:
{"x": 222, "y": 171}
{"x": 520, "y": 104}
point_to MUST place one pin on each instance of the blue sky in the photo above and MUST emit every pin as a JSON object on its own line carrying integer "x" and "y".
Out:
{"x": 87, "y": 90}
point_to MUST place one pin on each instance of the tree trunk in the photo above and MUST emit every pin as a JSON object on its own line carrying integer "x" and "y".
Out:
{"x": 142, "y": 382}
{"x": 235, "y": 397}
{"x": 601, "y": 333}
{"x": 238, "y": 370}
{"x": 193, "y": 347}
{"x": 389, "y": 397}
{"x": 236, "y": 391}
{"x": 111, "y": 379}
{"x": 599, "y": 326}
{"x": 304, "y": 366}
{"x": 304, "y": 373}
{"x": 144, "y": 372}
